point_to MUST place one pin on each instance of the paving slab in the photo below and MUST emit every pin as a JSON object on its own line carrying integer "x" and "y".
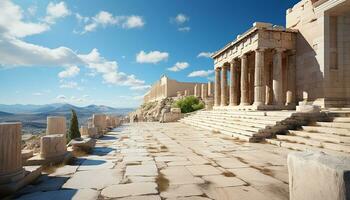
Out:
{"x": 141, "y": 170}
{"x": 175, "y": 191}
{"x": 98, "y": 179}
{"x": 143, "y": 197}
{"x": 179, "y": 175}
{"x": 235, "y": 193}
{"x": 223, "y": 181}
{"x": 130, "y": 189}
{"x": 254, "y": 177}
{"x": 86, "y": 194}
{"x": 203, "y": 170}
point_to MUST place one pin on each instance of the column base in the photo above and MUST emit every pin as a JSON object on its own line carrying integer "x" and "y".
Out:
{"x": 31, "y": 173}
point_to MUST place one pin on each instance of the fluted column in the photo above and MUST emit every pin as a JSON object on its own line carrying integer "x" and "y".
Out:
{"x": 224, "y": 85}
{"x": 259, "y": 79}
{"x": 244, "y": 81}
{"x": 277, "y": 86}
{"x": 233, "y": 84}
{"x": 195, "y": 92}
{"x": 10, "y": 152}
{"x": 290, "y": 100}
{"x": 204, "y": 90}
{"x": 217, "y": 93}
{"x": 210, "y": 88}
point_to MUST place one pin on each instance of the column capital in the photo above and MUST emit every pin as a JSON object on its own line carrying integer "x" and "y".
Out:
{"x": 260, "y": 49}
{"x": 224, "y": 67}
{"x": 218, "y": 69}
{"x": 279, "y": 50}
{"x": 243, "y": 56}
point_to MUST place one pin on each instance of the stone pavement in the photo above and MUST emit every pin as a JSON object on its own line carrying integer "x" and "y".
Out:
{"x": 153, "y": 161}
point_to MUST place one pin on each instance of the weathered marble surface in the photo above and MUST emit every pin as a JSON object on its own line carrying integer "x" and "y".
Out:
{"x": 150, "y": 161}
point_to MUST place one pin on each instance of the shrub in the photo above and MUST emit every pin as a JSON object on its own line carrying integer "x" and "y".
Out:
{"x": 189, "y": 104}
{"x": 74, "y": 127}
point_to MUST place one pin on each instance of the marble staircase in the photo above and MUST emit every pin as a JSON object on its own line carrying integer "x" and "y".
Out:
{"x": 331, "y": 135}
{"x": 252, "y": 126}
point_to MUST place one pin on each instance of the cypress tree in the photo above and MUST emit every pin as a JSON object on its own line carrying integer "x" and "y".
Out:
{"x": 74, "y": 127}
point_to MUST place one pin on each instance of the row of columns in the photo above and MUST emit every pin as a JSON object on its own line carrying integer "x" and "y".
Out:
{"x": 261, "y": 89}
{"x": 203, "y": 90}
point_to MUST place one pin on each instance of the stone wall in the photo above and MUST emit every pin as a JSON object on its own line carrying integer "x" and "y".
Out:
{"x": 322, "y": 51}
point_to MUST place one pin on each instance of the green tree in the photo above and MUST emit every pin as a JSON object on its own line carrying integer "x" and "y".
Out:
{"x": 189, "y": 104}
{"x": 74, "y": 127}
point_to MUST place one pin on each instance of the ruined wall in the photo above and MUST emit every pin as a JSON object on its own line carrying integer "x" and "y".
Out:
{"x": 322, "y": 51}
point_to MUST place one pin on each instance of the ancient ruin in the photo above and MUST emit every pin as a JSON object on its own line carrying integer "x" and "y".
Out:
{"x": 53, "y": 147}
{"x": 13, "y": 175}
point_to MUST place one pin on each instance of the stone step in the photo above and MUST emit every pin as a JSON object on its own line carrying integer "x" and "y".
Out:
{"x": 337, "y": 147}
{"x": 303, "y": 147}
{"x": 269, "y": 118}
{"x": 244, "y": 130}
{"x": 341, "y": 119}
{"x": 334, "y": 124}
{"x": 340, "y": 113}
{"x": 321, "y": 136}
{"x": 320, "y": 129}
{"x": 232, "y": 121}
{"x": 255, "y": 113}
{"x": 300, "y": 140}
{"x": 232, "y": 134}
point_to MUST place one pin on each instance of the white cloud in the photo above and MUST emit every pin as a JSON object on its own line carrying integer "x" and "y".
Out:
{"x": 133, "y": 22}
{"x": 32, "y": 10}
{"x": 181, "y": 18}
{"x": 141, "y": 87}
{"x": 104, "y": 19}
{"x": 11, "y": 21}
{"x": 151, "y": 57}
{"x": 15, "y": 52}
{"x": 200, "y": 73}
{"x": 37, "y": 94}
{"x": 184, "y": 29}
{"x": 61, "y": 97}
{"x": 69, "y": 85}
{"x": 56, "y": 11}
{"x": 205, "y": 54}
{"x": 179, "y": 66}
{"x": 71, "y": 71}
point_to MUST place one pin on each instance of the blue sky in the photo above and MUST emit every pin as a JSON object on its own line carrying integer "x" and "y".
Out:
{"x": 110, "y": 52}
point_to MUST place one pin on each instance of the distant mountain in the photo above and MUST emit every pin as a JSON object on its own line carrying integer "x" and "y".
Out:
{"x": 33, "y": 117}
{"x": 2, "y": 114}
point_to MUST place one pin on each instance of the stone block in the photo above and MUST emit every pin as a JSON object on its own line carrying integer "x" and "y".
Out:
{"x": 308, "y": 108}
{"x": 52, "y": 146}
{"x": 82, "y": 144}
{"x": 315, "y": 175}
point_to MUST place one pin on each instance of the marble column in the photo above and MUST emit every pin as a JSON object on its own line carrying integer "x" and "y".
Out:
{"x": 224, "y": 85}
{"x": 10, "y": 152}
{"x": 196, "y": 90}
{"x": 259, "y": 79}
{"x": 233, "y": 84}
{"x": 244, "y": 81}
{"x": 290, "y": 97}
{"x": 56, "y": 125}
{"x": 204, "y": 90}
{"x": 210, "y": 88}
{"x": 277, "y": 86}
{"x": 217, "y": 93}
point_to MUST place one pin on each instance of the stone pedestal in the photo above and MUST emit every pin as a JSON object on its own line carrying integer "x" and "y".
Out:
{"x": 318, "y": 176}
{"x": 52, "y": 146}
{"x": 99, "y": 121}
{"x": 56, "y": 125}
{"x": 12, "y": 174}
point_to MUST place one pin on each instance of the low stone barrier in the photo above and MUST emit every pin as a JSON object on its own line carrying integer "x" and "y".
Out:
{"x": 315, "y": 175}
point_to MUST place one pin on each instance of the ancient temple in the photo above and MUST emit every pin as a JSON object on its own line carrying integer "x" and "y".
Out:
{"x": 272, "y": 67}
